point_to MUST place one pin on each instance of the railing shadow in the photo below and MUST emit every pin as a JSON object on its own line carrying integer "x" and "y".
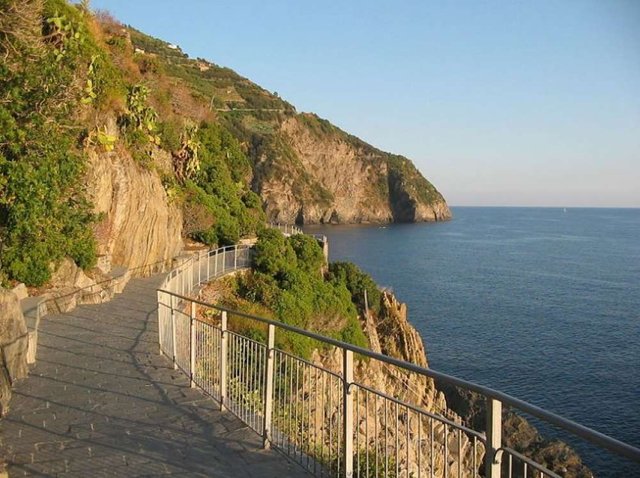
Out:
{"x": 149, "y": 423}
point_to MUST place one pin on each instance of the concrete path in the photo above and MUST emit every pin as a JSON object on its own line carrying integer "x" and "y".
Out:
{"x": 101, "y": 401}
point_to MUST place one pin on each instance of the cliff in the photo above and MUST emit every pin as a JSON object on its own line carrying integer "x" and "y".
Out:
{"x": 380, "y": 423}
{"x": 518, "y": 434}
{"x": 305, "y": 169}
{"x": 131, "y": 144}
{"x": 323, "y": 175}
{"x": 138, "y": 224}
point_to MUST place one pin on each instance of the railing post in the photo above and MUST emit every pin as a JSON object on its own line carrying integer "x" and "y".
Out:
{"x": 208, "y": 254}
{"x": 192, "y": 344}
{"x": 161, "y": 312}
{"x": 199, "y": 267}
{"x": 235, "y": 257}
{"x": 215, "y": 264}
{"x": 224, "y": 259}
{"x": 347, "y": 411}
{"x": 268, "y": 389}
{"x": 223, "y": 360}
{"x": 173, "y": 333}
{"x": 494, "y": 438}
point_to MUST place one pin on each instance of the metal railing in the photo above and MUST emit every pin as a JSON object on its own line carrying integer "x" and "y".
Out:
{"x": 99, "y": 291}
{"x": 286, "y": 229}
{"x": 326, "y": 416}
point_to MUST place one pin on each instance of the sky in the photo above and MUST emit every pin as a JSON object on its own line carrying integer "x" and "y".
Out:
{"x": 506, "y": 103}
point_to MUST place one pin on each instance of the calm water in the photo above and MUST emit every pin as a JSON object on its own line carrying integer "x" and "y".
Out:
{"x": 539, "y": 303}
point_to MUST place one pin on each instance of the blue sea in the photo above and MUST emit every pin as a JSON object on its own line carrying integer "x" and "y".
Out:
{"x": 540, "y": 303}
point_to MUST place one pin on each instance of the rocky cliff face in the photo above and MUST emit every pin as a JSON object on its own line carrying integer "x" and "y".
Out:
{"x": 305, "y": 169}
{"x": 139, "y": 224}
{"x": 13, "y": 346}
{"x": 381, "y": 424}
{"x": 315, "y": 173}
{"x": 518, "y": 434}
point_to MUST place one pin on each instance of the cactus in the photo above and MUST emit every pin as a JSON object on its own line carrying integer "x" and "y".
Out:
{"x": 186, "y": 161}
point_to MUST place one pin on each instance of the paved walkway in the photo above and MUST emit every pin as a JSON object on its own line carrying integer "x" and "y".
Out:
{"x": 101, "y": 401}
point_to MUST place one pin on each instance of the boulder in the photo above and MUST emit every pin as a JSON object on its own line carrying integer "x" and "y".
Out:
{"x": 69, "y": 275}
{"x": 13, "y": 346}
{"x": 20, "y": 291}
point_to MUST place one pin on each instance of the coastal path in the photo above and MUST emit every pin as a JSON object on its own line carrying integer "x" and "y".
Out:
{"x": 102, "y": 401}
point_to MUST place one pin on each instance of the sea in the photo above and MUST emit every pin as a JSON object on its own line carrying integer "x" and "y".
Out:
{"x": 539, "y": 303}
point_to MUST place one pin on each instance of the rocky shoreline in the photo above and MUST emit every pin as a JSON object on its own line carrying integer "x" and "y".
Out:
{"x": 404, "y": 341}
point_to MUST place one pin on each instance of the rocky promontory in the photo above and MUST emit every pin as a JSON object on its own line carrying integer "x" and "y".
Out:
{"x": 332, "y": 177}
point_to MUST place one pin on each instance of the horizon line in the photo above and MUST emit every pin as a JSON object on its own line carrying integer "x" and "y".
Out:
{"x": 541, "y": 207}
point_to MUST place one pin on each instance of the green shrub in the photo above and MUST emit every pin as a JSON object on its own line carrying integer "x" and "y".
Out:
{"x": 258, "y": 287}
{"x": 219, "y": 186}
{"x": 287, "y": 280}
{"x": 273, "y": 254}
{"x": 169, "y": 132}
{"x": 356, "y": 282}
{"x": 52, "y": 71}
{"x": 227, "y": 229}
{"x": 309, "y": 253}
{"x": 207, "y": 236}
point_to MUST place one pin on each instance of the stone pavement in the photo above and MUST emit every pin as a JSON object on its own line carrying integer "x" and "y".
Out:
{"x": 101, "y": 401}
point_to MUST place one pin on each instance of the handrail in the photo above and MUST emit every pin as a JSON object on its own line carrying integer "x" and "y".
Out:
{"x": 286, "y": 229}
{"x": 513, "y": 453}
{"x": 173, "y": 316}
{"x": 99, "y": 287}
{"x": 582, "y": 431}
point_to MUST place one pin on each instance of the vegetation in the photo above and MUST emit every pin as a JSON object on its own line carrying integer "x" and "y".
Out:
{"x": 60, "y": 70}
{"x": 356, "y": 282}
{"x": 406, "y": 174}
{"x": 65, "y": 69}
{"x": 51, "y": 68}
{"x": 288, "y": 281}
{"x": 216, "y": 190}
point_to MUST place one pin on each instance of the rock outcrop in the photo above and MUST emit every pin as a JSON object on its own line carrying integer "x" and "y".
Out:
{"x": 139, "y": 225}
{"x": 332, "y": 177}
{"x": 13, "y": 346}
{"x": 380, "y": 423}
{"x": 518, "y": 434}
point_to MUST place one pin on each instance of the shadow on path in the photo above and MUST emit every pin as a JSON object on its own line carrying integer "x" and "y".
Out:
{"x": 102, "y": 401}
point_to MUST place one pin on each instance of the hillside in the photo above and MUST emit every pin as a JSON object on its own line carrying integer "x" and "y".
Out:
{"x": 305, "y": 169}
{"x": 116, "y": 144}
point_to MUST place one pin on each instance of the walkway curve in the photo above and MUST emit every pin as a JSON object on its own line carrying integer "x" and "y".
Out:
{"x": 101, "y": 401}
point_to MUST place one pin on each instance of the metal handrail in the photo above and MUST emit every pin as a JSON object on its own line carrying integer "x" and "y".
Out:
{"x": 97, "y": 288}
{"x": 202, "y": 267}
{"x": 286, "y": 229}
{"x": 511, "y": 453}
{"x": 582, "y": 431}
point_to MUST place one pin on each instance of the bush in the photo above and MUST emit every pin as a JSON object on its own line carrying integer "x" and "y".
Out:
{"x": 207, "y": 236}
{"x": 196, "y": 218}
{"x": 309, "y": 253}
{"x": 273, "y": 254}
{"x": 258, "y": 287}
{"x": 356, "y": 282}
{"x": 287, "y": 280}
{"x": 227, "y": 229}
{"x": 219, "y": 187}
{"x": 169, "y": 135}
{"x": 42, "y": 211}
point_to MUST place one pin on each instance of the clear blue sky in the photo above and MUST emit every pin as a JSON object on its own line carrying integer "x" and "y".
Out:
{"x": 498, "y": 103}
